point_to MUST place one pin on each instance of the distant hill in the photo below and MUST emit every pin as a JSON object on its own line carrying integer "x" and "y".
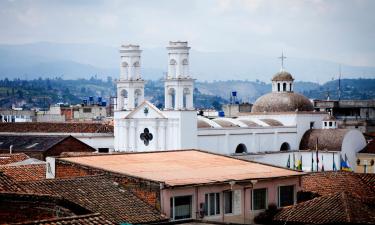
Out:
{"x": 44, "y": 92}
{"x": 73, "y": 61}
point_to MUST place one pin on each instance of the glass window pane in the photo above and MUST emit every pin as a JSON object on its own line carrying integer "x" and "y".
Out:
{"x": 217, "y": 203}
{"x": 182, "y": 207}
{"x": 259, "y": 198}
{"x": 206, "y": 204}
{"x": 286, "y": 195}
{"x": 212, "y": 204}
{"x": 228, "y": 202}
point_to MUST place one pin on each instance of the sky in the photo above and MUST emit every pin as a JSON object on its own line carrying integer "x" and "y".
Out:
{"x": 341, "y": 31}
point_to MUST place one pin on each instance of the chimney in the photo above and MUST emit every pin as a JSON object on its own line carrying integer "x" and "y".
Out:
{"x": 10, "y": 149}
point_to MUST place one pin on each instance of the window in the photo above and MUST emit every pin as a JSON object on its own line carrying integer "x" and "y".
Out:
{"x": 325, "y": 124}
{"x": 259, "y": 198}
{"x": 330, "y": 124}
{"x": 241, "y": 148}
{"x": 103, "y": 150}
{"x": 87, "y": 110}
{"x": 284, "y": 86}
{"x": 285, "y": 146}
{"x": 286, "y": 195}
{"x": 228, "y": 202}
{"x": 181, "y": 207}
{"x": 312, "y": 125}
{"x": 212, "y": 204}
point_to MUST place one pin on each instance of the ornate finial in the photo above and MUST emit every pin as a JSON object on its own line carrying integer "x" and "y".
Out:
{"x": 282, "y": 57}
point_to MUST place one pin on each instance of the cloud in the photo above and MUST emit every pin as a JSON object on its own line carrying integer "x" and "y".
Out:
{"x": 336, "y": 30}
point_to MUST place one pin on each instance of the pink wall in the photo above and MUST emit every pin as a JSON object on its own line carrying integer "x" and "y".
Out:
{"x": 198, "y": 196}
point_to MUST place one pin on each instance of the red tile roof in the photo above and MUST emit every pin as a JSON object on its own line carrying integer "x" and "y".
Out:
{"x": 8, "y": 185}
{"x": 327, "y": 183}
{"x": 12, "y": 158}
{"x": 90, "y": 219}
{"x": 336, "y": 208}
{"x": 369, "y": 148}
{"x": 56, "y": 127}
{"x": 101, "y": 195}
{"x": 29, "y": 172}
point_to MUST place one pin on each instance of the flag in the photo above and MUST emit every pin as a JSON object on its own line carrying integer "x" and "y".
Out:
{"x": 299, "y": 167}
{"x": 334, "y": 168}
{"x": 312, "y": 161}
{"x": 344, "y": 165}
{"x": 288, "y": 163}
{"x": 322, "y": 164}
{"x": 294, "y": 162}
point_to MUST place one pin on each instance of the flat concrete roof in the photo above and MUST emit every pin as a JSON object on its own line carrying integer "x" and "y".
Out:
{"x": 182, "y": 167}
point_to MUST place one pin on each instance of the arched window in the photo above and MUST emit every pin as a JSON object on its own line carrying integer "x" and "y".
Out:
{"x": 290, "y": 86}
{"x": 124, "y": 93}
{"x": 172, "y": 97}
{"x": 285, "y": 146}
{"x": 124, "y": 69}
{"x": 241, "y": 148}
{"x": 185, "y": 97}
{"x": 278, "y": 86}
{"x": 284, "y": 86}
{"x": 137, "y": 96}
{"x": 172, "y": 68}
{"x": 185, "y": 67}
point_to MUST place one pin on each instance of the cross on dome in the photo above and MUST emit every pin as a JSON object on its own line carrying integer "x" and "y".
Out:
{"x": 282, "y": 57}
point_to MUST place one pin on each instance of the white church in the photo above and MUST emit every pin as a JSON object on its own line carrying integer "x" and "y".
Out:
{"x": 282, "y": 125}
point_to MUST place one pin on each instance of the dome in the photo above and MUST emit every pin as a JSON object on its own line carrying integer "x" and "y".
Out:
{"x": 282, "y": 102}
{"x": 283, "y": 76}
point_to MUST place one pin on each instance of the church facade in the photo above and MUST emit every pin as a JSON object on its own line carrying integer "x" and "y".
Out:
{"x": 281, "y": 124}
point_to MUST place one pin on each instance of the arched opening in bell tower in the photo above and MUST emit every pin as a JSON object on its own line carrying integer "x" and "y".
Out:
{"x": 185, "y": 100}
{"x": 124, "y": 96}
{"x": 172, "y": 97}
{"x": 284, "y": 86}
{"x": 172, "y": 68}
{"x": 137, "y": 96}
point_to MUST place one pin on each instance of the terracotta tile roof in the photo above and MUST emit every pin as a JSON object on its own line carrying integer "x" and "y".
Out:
{"x": 9, "y": 185}
{"x": 328, "y": 139}
{"x": 26, "y": 143}
{"x": 369, "y": 148}
{"x": 101, "y": 195}
{"x": 90, "y": 219}
{"x": 12, "y": 158}
{"x": 182, "y": 167}
{"x": 327, "y": 183}
{"x": 29, "y": 172}
{"x": 337, "y": 208}
{"x": 56, "y": 127}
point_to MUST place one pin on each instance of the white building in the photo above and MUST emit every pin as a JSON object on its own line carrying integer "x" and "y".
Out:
{"x": 281, "y": 124}
{"x": 139, "y": 125}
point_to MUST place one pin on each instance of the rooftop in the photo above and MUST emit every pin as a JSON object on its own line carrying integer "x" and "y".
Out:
{"x": 26, "y": 143}
{"x": 182, "y": 167}
{"x": 327, "y": 183}
{"x": 336, "y": 208}
{"x": 55, "y": 127}
{"x": 370, "y": 148}
{"x": 12, "y": 158}
{"x": 101, "y": 195}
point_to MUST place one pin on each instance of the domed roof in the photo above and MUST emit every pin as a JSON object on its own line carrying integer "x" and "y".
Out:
{"x": 283, "y": 76}
{"x": 282, "y": 102}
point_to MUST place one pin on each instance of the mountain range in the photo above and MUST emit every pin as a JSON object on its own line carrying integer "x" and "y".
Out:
{"x": 73, "y": 61}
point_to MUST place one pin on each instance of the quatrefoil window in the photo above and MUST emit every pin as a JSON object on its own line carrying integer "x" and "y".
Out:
{"x": 146, "y": 136}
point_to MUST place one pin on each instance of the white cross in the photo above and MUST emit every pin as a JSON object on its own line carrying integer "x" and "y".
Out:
{"x": 282, "y": 60}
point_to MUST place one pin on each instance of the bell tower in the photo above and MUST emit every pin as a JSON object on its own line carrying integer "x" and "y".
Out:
{"x": 179, "y": 86}
{"x": 130, "y": 86}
